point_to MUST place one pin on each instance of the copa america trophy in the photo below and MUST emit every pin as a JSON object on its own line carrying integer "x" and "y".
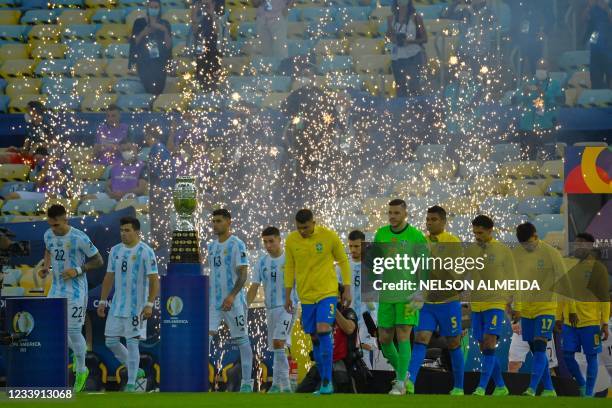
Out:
{"x": 185, "y": 244}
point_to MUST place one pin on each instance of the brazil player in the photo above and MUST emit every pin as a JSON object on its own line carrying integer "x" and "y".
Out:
{"x": 70, "y": 254}
{"x": 443, "y": 312}
{"x": 228, "y": 262}
{"x": 132, "y": 269}
{"x": 397, "y": 312}
{"x": 541, "y": 262}
{"x": 488, "y": 309}
{"x": 589, "y": 325}
{"x": 310, "y": 253}
{"x": 270, "y": 270}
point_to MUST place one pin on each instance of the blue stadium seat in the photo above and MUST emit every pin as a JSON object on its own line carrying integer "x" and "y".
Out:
{"x": 33, "y": 4}
{"x": 21, "y": 207}
{"x": 57, "y": 85}
{"x": 506, "y": 237}
{"x": 83, "y": 50}
{"x": 315, "y": 13}
{"x": 546, "y": 223}
{"x": 243, "y": 82}
{"x": 208, "y": 102}
{"x": 69, "y": 3}
{"x": 337, "y": 63}
{"x": 294, "y": 14}
{"x": 540, "y": 205}
{"x": 4, "y": 101}
{"x": 431, "y": 153}
{"x": 247, "y": 29}
{"x": 347, "y": 14}
{"x": 499, "y": 205}
{"x": 132, "y": 3}
{"x": 85, "y": 32}
{"x": 12, "y": 32}
{"x": 12, "y": 186}
{"x": 299, "y": 47}
{"x": 129, "y": 86}
{"x": 117, "y": 51}
{"x": 555, "y": 187}
{"x": 10, "y": 3}
{"x": 595, "y": 98}
{"x": 280, "y": 83}
{"x": 338, "y": 82}
{"x": 53, "y": 67}
{"x": 94, "y": 187}
{"x": 505, "y": 152}
{"x": 265, "y": 65}
{"x": 64, "y": 101}
{"x": 39, "y": 17}
{"x": 180, "y": 30}
{"x": 2, "y": 85}
{"x": 103, "y": 16}
{"x": 327, "y": 30}
{"x": 97, "y": 206}
{"x": 135, "y": 102}
{"x": 575, "y": 60}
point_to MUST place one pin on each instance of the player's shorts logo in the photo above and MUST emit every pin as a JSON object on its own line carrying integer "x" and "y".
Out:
{"x": 174, "y": 305}
{"x": 23, "y": 322}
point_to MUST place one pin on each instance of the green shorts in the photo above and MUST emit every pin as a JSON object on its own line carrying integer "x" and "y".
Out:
{"x": 395, "y": 314}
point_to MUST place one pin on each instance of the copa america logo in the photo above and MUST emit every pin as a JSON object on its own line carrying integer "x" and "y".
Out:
{"x": 23, "y": 322}
{"x": 174, "y": 305}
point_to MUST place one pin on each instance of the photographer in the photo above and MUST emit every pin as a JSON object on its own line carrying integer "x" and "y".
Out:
{"x": 407, "y": 34}
{"x": 347, "y": 357}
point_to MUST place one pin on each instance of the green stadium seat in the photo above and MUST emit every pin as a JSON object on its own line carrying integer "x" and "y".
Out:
{"x": 46, "y": 32}
{"x": 174, "y": 16}
{"x": 552, "y": 168}
{"x": 118, "y": 67}
{"x": 14, "y": 172}
{"x": 14, "y": 51}
{"x": 89, "y": 85}
{"x": 372, "y": 64}
{"x": 366, "y": 46}
{"x": 113, "y": 33}
{"x": 169, "y": 103}
{"x": 519, "y": 169}
{"x": 296, "y": 30}
{"x": 505, "y": 152}
{"x": 331, "y": 46}
{"x": 9, "y": 16}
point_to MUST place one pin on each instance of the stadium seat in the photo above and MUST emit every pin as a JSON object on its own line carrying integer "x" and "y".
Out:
{"x": 431, "y": 153}
{"x": 360, "y": 29}
{"x": 443, "y": 170}
{"x": 53, "y": 67}
{"x": 180, "y": 30}
{"x": 46, "y": 32}
{"x": 118, "y": 67}
{"x": 472, "y": 170}
{"x": 11, "y": 32}
{"x": 552, "y": 168}
{"x": 499, "y": 205}
{"x": 134, "y": 15}
{"x": 69, "y": 3}
{"x": 71, "y": 16}
{"x": 505, "y": 152}
{"x": 340, "y": 82}
{"x": 88, "y": 67}
{"x": 96, "y": 206}
{"x": 14, "y": 51}
{"x": 64, "y": 101}
{"x": 117, "y": 51}
{"x": 540, "y": 205}
{"x": 19, "y": 86}
{"x": 574, "y": 60}
{"x": 381, "y": 13}
{"x": 318, "y": 30}
{"x": 129, "y": 86}
{"x": 299, "y": 47}
{"x": 113, "y": 33}
{"x": 97, "y": 102}
{"x": 595, "y": 98}
{"x": 274, "y": 100}
{"x": 21, "y": 207}
{"x": 236, "y": 65}
{"x": 17, "y": 68}
{"x": 546, "y": 223}
{"x": 338, "y": 63}
{"x": 14, "y": 172}
{"x": 49, "y": 51}
{"x": 181, "y": 15}
{"x": 519, "y": 169}
{"x": 555, "y": 188}
{"x": 581, "y": 79}
{"x": 296, "y": 30}
{"x": 508, "y": 222}
{"x": 264, "y": 65}
{"x": 12, "y": 186}
{"x": 83, "y": 32}
{"x": 315, "y": 14}
{"x": 81, "y": 50}
{"x": 39, "y": 17}
{"x": 373, "y": 64}
{"x": 108, "y": 16}
{"x": 331, "y": 46}
{"x": 94, "y": 187}
{"x": 9, "y": 16}
{"x": 88, "y": 171}
{"x": 460, "y": 206}
{"x": 349, "y": 14}
{"x": 18, "y": 103}
{"x": 207, "y": 102}
{"x": 94, "y": 4}
{"x": 366, "y": 46}
{"x": 556, "y": 239}
{"x": 4, "y": 102}
{"x": 169, "y": 103}
{"x": 528, "y": 188}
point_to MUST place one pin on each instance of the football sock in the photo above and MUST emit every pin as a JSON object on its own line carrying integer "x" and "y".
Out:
{"x": 133, "y": 360}
{"x": 573, "y": 367}
{"x": 418, "y": 356}
{"x": 591, "y": 373}
{"x": 458, "y": 366}
{"x": 77, "y": 343}
{"x": 246, "y": 357}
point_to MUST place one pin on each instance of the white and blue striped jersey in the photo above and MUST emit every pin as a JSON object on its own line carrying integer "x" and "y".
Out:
{"x": 224, "y": 258}
{"x": 132, "y": 267}
{"x": 270, "y": 272}
{"x": 68, "y": 251}
{"x": 356, "y": 304}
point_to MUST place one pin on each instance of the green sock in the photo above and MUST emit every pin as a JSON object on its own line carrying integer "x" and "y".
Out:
{"x": 404, "y": 358}
{"x": 390, "y": 353}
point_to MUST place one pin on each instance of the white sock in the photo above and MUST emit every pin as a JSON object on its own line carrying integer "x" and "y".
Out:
{"x": 133, "y": 359}
{"x": 246, "y": 357}
{"x": 280, "y": 367}
{"x": 118, "y": 349}
{"x": 77, "y": 344}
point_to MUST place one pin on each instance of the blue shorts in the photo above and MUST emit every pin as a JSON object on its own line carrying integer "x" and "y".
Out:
{"x": 446, "y": 316}
{"x": 324, "y": 311}
{"x": 589, "y": 338}
{"x": 539, "y": 326}
{"x": 487, "y": 322}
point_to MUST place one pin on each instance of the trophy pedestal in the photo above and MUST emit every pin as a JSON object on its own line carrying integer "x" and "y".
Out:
{"x": 185, "y": 247}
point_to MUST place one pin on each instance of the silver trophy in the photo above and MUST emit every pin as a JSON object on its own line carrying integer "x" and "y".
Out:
{"x": 185, "y": 202}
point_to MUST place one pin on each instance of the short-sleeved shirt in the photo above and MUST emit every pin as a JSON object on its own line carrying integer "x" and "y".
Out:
{"x": 132, "y": 267}
{"x": 67, "y": 252}
{"x": 270, "y": 272}
{"x": 125, "y": 177}
{"x": 108, "y": 136}
{"x": 224, "y": 258}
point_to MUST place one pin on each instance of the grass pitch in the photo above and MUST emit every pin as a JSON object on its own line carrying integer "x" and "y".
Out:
{"x": 229, "y": 400}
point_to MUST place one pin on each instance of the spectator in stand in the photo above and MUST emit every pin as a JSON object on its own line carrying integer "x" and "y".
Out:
{"x": 38, "y": 129}
{"x": 205, "y": 35}
{"x": 151, "y": 48}
{"x": 599, "y": 36}
{"x": 531, "y": 23}
{"x": 110, "y": 136}
{"x": 407, "y": 33}
{"x": 272, "y": 26}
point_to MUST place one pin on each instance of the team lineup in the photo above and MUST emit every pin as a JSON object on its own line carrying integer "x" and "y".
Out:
{"x": 312, "y": 269}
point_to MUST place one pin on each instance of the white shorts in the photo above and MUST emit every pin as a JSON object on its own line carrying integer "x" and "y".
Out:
{"x": 280, "y": 325}
{"x": 519, "y": 349}
{"x": 127, "y": 327}
{"x": 606, "y": 353}
{"x": 236, "y": 319}
{"x": 76, "y": 313}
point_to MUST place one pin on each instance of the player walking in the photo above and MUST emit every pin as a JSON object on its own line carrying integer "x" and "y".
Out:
{"x": 310, "y": 255}
{"x": 132, "y": 269}
{"x": 70, "y": 254}
{"x": 228, "y": 262}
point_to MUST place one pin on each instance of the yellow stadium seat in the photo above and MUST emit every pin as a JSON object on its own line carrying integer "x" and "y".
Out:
{"x": 461, "y": 206}
{"x": 572, "y": 95}
{"x": 527, "y": 188}
{"x": 14, "y": 172}
{"x": 236, "y": 65}
{"x": 97, "y": 102}
{"x": 87, "y": 67}
{"x": 113, "y": 33}
{"x": 89, "y": 86}
{"x": 238, "y": 15}
{"x": 519, "y": 169}
{"x": 580, "y": 80}
{"x": 275, "y": 99}
{"x": 184, "y": 66}
{"x": 19, "y": 86}
{"x": 118, "y": 67}
{"x": 49, "y": 51}
{"x": 331, "y": 46}
{"x": 177, "y": 16}
{"x": 47, "y": 32}
{"x": 18, "y": 103}
{"x": 9, "y": 17}
{"x": 14, "y": 51}
{"x": 360, "y": 29}
{"x": 17, "y": 68}
{"x": 372, "y": 64}
{"x": 172, "y": 85}
{"x": 169, "y": 103}
{"x": 100, "y": 3}
{"x": 74, "y": 17}
{"x": 381, "y": 13}
{"x": 88, "y": 171}
{"x": 296, "y": 30}
{"x": 135, "y": 15}
{"x": 366, "y": 46}
{"x": 440, "y": 170}
{"x": 552, "y": 168}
